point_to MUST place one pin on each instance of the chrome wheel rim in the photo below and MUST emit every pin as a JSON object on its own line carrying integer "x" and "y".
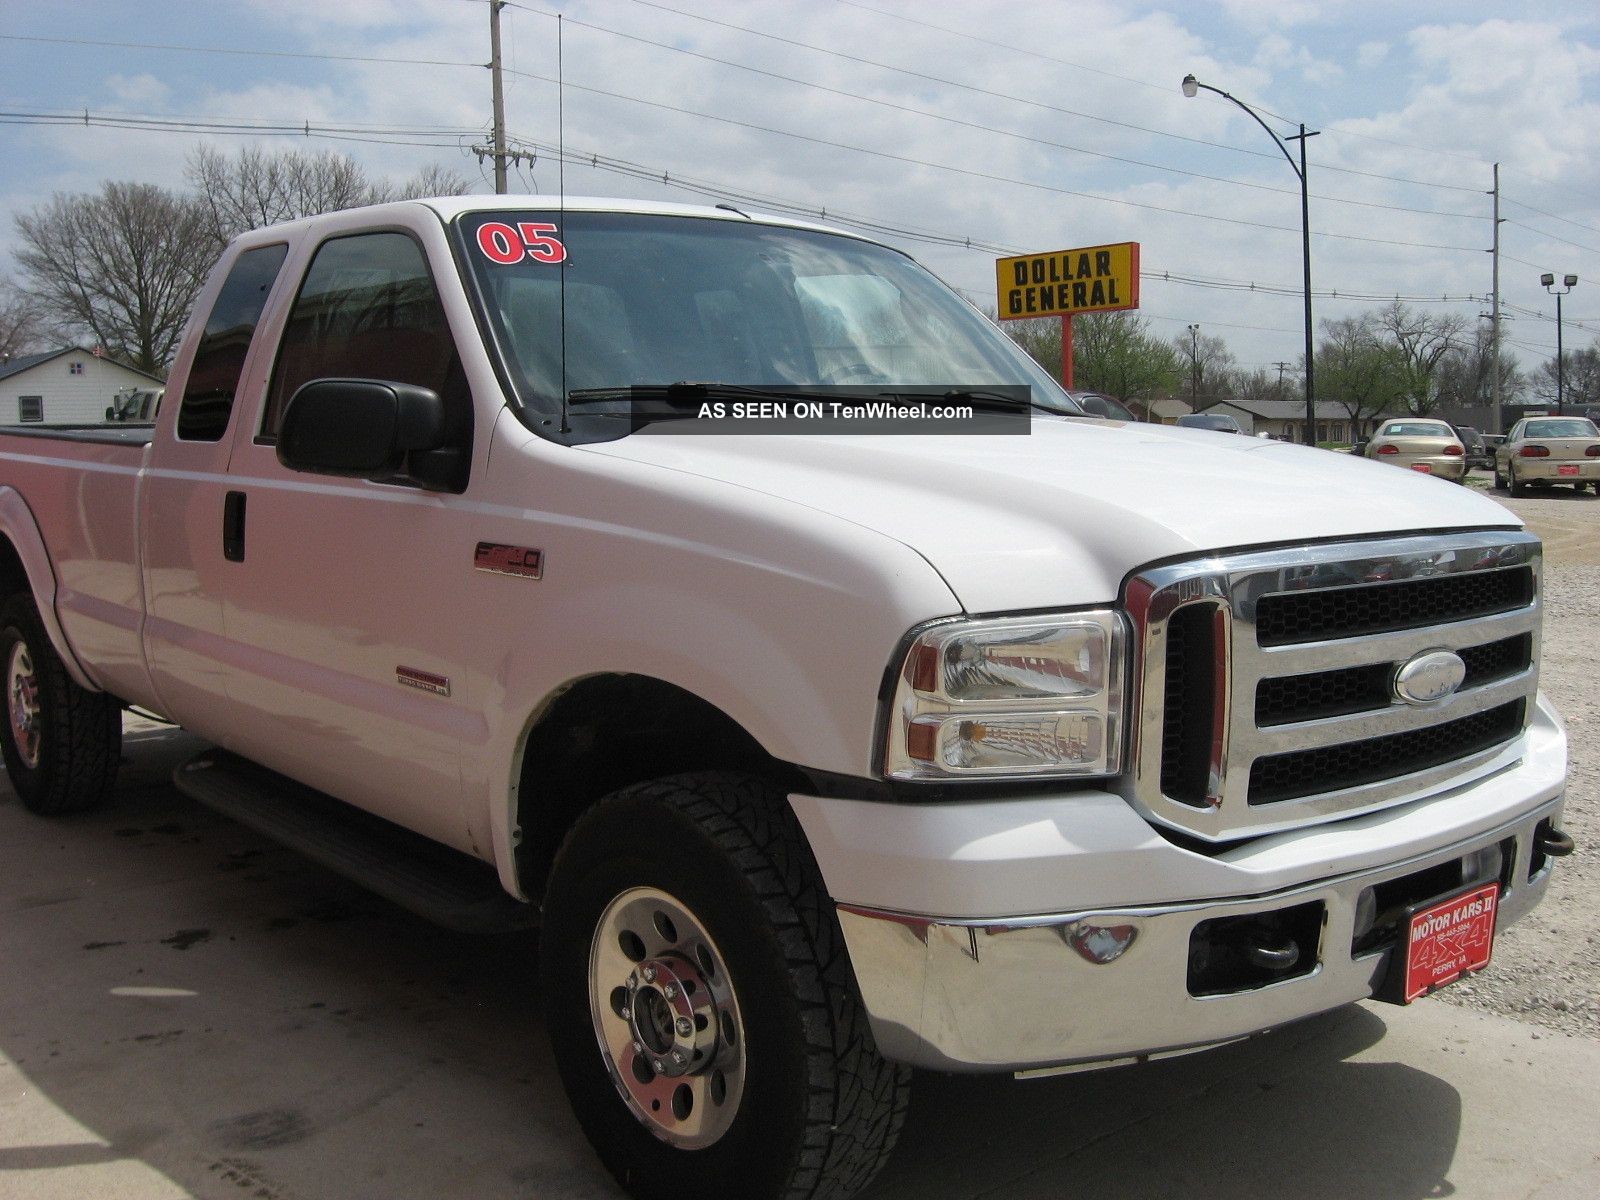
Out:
{"x": 22, "y": 704}
{"x": 667, "y": 1018}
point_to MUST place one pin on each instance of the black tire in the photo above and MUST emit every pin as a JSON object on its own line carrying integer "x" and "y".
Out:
{"x": 78, "y": 733}
{"x": 820, "y": 1110}
{"x": 1499, "y": 480}
{"x": 1518, "y": 488}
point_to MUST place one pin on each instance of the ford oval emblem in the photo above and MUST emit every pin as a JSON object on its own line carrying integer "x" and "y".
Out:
{"x": 1429, "y": 677}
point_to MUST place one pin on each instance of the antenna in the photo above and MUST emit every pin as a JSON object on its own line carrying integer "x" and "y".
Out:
{"x": 561, "y": 208}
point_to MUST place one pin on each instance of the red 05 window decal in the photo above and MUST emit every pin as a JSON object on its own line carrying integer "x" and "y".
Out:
{"x": 505, "y": 245}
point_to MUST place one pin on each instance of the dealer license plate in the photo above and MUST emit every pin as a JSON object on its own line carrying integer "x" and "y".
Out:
{"x": 1425, "y": 468}
{"x": 1450, "y": 939}
{"x": 1571, "y": 469}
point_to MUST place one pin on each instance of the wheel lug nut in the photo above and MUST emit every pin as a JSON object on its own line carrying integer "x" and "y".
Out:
{"x": 649, "y": 974}
{"x": 670, "y": 990}
{"x": 638, "y": 1047}
{"x": 677, "y": 1057}
{"x": 685, "y": 1027}
{"x": 657, "y": 1064}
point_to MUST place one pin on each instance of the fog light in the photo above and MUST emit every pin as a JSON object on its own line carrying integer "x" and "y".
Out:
{"x": 1100, "y": 944}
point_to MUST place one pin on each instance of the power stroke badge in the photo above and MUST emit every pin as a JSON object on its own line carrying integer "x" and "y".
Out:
{"x": 496, "y": 558}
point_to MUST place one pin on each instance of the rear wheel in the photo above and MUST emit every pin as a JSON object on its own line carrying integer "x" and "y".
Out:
{"x": 62, "y": 743}
{"x": 1518, "y": 488}
{"x": 1499, "y": 479}
{"x": 701, "y": 1005}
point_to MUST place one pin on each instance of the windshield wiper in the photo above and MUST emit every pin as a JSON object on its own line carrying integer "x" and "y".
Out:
{"x": 689, "y": 391}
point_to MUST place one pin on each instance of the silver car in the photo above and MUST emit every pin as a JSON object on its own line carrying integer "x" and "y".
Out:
{"x": 1420, "y": 444}
{"x": 1549, "y": 450}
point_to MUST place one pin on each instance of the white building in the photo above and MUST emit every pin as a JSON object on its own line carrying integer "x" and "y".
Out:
{"x": 69, "y": 386}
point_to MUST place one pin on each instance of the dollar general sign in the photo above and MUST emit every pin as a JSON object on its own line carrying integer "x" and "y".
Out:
{"x": 1063, "y": 283}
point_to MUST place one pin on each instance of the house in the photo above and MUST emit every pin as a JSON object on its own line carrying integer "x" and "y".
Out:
{"x": 1286, "y": 419}
{"x": 69, "y": 386}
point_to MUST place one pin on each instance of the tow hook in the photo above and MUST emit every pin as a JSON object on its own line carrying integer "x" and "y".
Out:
{"x": 1556, "y": 843}
{"x": 1279, "y": 957}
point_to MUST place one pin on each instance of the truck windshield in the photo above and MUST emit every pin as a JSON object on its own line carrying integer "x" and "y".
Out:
{"x": 656, "y": 300}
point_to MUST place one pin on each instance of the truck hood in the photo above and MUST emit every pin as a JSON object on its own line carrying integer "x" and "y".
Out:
{"x": 1061, "y": 516}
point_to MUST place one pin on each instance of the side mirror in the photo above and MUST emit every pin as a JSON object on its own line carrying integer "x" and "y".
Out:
{"x": 359, "y": 427}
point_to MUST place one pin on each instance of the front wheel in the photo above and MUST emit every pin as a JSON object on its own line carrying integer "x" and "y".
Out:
{"x": 701, "y": 1004}
{"x": 62, "y": 744}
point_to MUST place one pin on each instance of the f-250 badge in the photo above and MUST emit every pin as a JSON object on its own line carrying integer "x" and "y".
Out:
{"x": 498, "y": 559}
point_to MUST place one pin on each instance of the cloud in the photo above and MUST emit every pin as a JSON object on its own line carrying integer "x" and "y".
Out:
{"x": 1370, "y": 54}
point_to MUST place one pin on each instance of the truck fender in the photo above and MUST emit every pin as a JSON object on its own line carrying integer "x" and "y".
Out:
{"x": 19, "y": 527}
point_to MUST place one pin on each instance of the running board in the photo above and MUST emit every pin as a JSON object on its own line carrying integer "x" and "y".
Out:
{"x": 435, "y": 882}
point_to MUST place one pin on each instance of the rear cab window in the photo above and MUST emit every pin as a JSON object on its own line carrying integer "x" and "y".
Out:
{"x": 219, "y": 357}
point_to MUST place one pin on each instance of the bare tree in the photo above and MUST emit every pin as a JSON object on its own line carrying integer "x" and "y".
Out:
{"x": 1466, "y": 374}
{"x": 1210, "y": 367}
{"x": 257, "y": 187}
{"x": 1580, "y": 379}
{"x": 20, "y": 328}
{"x": 1423, "y": 339}
{"x": 1260, "y": 384}
{"x": 121, "y": 267}
{"x": 432, "y": 180}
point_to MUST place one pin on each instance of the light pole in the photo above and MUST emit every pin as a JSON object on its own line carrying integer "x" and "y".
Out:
{"x": 1568, "y": 283}
{"x": 1194, "y": 367}
{"x": 1191, "y": 88}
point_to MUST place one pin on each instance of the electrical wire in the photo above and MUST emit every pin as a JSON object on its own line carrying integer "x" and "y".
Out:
{"x": 363, "y": 58}
{"x": 986, "y": 176}
{"x": 1012, "y": 98}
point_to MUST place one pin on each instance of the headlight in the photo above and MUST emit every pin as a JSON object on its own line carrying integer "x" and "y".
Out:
{"x": 1010, "y": 698}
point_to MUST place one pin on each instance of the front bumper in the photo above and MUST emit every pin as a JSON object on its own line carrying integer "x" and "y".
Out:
{"x": 977, "y": 993}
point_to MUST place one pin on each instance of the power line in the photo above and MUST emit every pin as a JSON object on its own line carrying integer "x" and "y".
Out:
{"x": 395, "y": 136}
{"x": 985, "y": 175}
{"x": 716, "y": 190}
{"x": 1013, "y": 98}
{"x": 1553, "y": 237}
{"x": 1551, "y": 215}
{"x": 984, "y": 128}
{"x": 367, "y": 58}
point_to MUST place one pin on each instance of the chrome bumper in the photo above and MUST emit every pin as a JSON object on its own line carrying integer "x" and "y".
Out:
{"x": 1029, "y": 993}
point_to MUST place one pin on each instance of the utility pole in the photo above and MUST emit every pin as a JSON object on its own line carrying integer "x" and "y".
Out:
{"x": 1282, "y": 367}
{"x": 1194, "y": 367}
{"x": 1497, "y": 425}
{"x": 496, "y": 149}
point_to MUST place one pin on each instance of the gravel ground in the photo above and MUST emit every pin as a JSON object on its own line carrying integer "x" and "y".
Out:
{"x": 1546, "y": 968}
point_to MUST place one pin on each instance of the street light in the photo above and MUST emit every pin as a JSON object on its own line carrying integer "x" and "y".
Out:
{"x": 1194, "y": 366}
{"x": 1569, "y": 282}
{"x": 1192, "y": 88}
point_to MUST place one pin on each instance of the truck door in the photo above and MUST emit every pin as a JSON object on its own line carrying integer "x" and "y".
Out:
{"x": 353, "y": 673}
{"x": 184, "y": 499}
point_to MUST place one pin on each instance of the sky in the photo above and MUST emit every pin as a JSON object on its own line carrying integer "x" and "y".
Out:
{"x": 1019, "y": 127}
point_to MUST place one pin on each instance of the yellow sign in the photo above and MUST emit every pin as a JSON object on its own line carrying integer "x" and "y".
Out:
{"x": 1065, "y": 282}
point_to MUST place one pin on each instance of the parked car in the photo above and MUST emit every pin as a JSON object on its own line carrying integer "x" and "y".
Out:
{"x": 1420, "y": 444}
{"x": 814, "y": 757}
{"x": 135, "y": 406}
{"x": 1216, "y": 422}
{"x": 1549, "y": 450}
{"x": 1479, "y": 452}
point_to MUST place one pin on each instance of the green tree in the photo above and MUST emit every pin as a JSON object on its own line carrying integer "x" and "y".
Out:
{"x": 1361, "y": 370}
{"x": 1116, "y": 353}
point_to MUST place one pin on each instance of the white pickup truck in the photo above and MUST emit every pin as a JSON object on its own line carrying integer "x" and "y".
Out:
{"x": 814, "y": 757}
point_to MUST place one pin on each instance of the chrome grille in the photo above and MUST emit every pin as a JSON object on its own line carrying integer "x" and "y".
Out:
{"x": 1265, "y": 694}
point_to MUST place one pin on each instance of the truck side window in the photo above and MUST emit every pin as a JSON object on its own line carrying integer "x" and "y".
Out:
{"x": 219, "y": 358}
{"x": 368, "y": 309}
